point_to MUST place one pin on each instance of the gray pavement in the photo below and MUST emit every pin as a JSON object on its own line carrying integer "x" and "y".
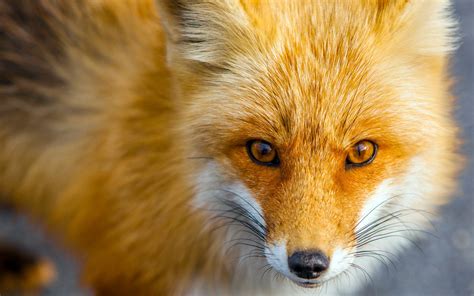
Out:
{"x": 444, "y": 267}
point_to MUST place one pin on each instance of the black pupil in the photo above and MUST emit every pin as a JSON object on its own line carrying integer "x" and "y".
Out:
{"x": 264, "y": 148}
{"x": 361, "y": 149}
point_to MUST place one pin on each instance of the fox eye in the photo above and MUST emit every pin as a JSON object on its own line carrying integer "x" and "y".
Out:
{"x": 361, "y": 154}
{"x": 262, "y": 153}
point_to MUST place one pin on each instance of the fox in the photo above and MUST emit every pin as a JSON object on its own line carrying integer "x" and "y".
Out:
{"x": 228, "y": 147}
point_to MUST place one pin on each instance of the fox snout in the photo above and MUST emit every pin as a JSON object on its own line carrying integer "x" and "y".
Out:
{"x": 309, "y": 239}
{"x": 308, "y": 264}
{"x": 307, "y": 267}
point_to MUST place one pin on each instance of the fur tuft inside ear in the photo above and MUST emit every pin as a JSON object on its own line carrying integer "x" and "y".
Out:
{"x": 426, "y": 26}
{"x": 433, "y": 29}
{"x": 203, "y": 31}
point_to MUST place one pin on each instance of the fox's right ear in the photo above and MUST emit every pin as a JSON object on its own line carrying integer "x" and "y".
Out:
{"x": 424, "y": 26}
{"x": 172, "y": 14}
{"x": 202, "y": 30}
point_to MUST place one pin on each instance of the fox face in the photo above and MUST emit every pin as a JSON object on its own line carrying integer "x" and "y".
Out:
{"x": 320, "y": 130}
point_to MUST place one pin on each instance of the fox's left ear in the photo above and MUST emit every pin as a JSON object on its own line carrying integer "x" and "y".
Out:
{"x": 424, "y": 26}
{"x": 203, "y": 31}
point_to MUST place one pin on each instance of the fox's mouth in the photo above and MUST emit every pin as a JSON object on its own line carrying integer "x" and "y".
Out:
{"x": 308, "y": 285}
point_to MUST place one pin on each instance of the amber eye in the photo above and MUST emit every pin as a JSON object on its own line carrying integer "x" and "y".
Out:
{"x": 362, "y": 153}
{"x": 262, "y": 153}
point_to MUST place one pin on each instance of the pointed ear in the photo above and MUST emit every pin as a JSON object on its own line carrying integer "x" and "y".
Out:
{"x": 202, "y": 30}
{"x": 173, "y": 15}
{"x": 426, "y": 26}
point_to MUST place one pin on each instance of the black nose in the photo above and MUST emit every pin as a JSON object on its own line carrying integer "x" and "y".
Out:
{"x": 308, "y": 264}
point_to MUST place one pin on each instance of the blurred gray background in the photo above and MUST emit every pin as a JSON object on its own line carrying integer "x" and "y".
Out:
{"x": 444, "y": 267}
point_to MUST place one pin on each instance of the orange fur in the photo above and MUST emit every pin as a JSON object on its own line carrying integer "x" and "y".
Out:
{"x": 116, "y": 176}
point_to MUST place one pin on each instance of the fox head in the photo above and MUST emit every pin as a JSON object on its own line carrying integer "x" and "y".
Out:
{"x": 322, "y": 128}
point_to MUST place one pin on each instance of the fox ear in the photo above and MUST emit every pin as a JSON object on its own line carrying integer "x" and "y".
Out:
{"x": 170, "y": 14}
{"x": 202, "y": 30}
{"x": 425, "y": 26}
